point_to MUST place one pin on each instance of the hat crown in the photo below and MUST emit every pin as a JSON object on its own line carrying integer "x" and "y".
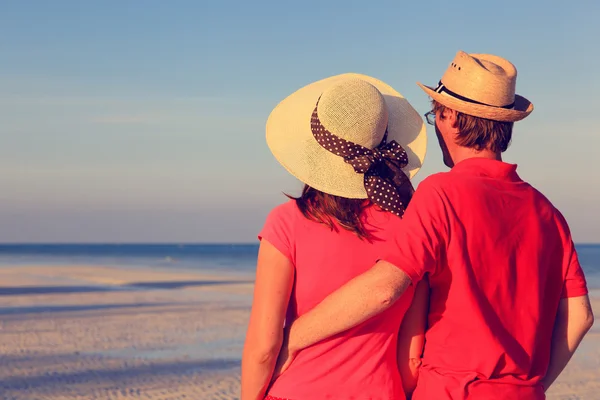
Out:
{"x": 483, "y": 78}
{"x": 354, "y": 110}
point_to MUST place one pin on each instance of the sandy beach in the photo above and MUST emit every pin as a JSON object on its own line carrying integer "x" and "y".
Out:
{"x": 93, "y": 332}
{"x": 88, "y": 332}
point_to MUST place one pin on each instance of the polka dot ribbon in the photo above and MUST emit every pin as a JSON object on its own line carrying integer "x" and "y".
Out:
{"x": 386, "y": 184}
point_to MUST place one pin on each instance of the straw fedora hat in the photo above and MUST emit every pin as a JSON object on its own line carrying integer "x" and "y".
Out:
{"x": 481, "y": 85}
{"x": 354, "y": 107}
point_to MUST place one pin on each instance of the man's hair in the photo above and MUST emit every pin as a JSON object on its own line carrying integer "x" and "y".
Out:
{"x": 479, "y": 133}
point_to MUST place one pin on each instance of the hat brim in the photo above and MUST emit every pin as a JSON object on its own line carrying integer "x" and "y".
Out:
{"x": 522, "y": 108}
{"x": 291, "y": 140}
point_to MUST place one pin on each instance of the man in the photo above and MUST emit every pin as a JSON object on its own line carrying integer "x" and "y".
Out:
{"x": 508, "y": 300}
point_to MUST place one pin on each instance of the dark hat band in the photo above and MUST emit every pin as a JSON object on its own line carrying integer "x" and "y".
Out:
{"x": 441, "y": 88}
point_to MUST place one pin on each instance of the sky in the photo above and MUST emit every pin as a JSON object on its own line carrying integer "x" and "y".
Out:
{"x": 144, "y": 121}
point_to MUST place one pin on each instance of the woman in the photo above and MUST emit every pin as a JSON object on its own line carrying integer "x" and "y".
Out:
{"x": 343, "y": 137}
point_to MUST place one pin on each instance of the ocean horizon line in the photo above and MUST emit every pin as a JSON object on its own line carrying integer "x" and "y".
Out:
{"x": 169, "y": 243}
{"x": 130, "y": 243}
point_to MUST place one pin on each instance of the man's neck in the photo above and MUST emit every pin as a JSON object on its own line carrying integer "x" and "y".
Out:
{"x": 463, "y": 153}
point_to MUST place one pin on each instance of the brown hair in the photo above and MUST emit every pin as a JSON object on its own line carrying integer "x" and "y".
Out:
{"x": 479, "y": 133}
{"x": 328, "y": 209}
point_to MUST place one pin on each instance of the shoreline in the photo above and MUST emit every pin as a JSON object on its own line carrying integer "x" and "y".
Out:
{"x": 99, "y": 332}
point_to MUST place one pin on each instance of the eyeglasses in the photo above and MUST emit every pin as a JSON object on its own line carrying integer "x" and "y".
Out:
{"x": 430, "y": 117}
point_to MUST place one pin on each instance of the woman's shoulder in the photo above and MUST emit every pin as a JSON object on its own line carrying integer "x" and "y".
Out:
{"x": 285, "y": 210}
{"x": 279, "y": 228}
{"x": 283, "y": 216}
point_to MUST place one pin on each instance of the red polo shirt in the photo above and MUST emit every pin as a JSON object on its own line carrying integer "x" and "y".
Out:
{"x": 499, "y": 257}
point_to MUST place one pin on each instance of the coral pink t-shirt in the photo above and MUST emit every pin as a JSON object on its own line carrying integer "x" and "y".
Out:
{"x": 499, "y": 257}
{"x": 361, "y": 362}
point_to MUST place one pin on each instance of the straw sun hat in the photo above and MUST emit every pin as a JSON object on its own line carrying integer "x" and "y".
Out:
{"x": 356, "y": 112}
{"x": 482, "y": 85}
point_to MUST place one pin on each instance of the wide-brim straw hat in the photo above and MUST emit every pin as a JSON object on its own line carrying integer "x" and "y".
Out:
{"x": 481, "y": 85}
{"x": 355, "y": 107}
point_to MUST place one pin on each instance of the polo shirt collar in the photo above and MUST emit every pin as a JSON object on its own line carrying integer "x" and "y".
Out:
{"x": 488, "y": 167}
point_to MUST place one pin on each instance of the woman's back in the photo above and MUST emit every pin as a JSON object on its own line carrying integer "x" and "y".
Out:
{"x": 353, "y": 140}
{"x": 357, "y": 364}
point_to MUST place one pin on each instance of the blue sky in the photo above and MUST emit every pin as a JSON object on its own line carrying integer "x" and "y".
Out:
{"x": 143, "y": 121}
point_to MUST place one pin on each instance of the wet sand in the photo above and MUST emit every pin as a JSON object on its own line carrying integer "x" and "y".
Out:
{"x": 91, "y": 332}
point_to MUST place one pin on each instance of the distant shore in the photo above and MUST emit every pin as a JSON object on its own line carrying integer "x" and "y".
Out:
{"x": 95, "y": 332}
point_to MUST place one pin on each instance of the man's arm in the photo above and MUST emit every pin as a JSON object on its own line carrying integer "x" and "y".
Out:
{"x": 413, "y": 247}
{"x": 573, "y": 320}
{"x": 358, "y": 300}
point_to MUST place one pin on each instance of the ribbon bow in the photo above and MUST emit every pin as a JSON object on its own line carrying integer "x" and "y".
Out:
{"x": 385, "y": 182}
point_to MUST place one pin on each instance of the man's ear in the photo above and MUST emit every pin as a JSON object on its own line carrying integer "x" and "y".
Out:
{"x": 451, "y": 116}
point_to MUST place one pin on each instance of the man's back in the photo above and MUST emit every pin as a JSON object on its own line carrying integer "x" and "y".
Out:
{"x": 499, "y": 258}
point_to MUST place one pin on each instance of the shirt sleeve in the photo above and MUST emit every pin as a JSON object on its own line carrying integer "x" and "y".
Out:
{"x": 277, "y": 230}
{"x": 416, "y": 244}
{"x": 574, "y": 284}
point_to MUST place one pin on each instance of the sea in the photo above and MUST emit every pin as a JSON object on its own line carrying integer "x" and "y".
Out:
{"x": 223, "y": 258}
